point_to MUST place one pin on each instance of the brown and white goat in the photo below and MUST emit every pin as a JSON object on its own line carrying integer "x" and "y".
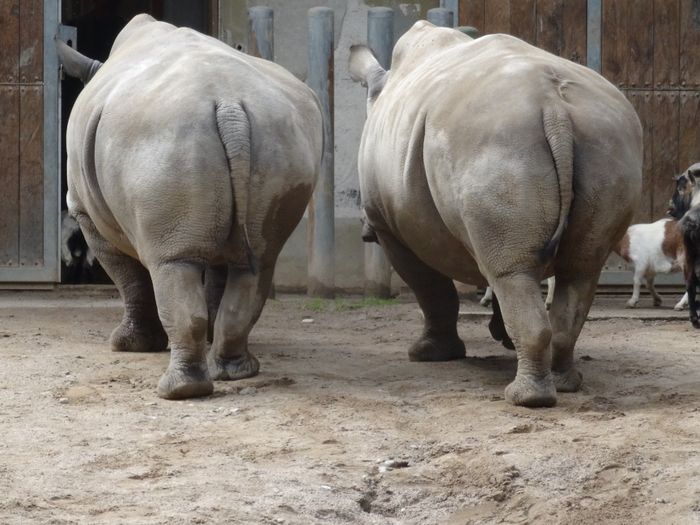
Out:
{"x": 653, "y": 248}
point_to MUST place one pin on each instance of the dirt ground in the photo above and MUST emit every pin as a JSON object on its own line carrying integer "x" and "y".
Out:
{"x": 339, "y": 427}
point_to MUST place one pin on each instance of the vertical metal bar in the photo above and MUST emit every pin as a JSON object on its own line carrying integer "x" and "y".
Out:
{"x": 453, "y": 7}
{"x": 52, "y": 146}
{"x": 380, "y": 39}
{"x": 322, "y": 206}
{"x": 594, "y": 35}
{"x": 440, "y": 17}
{"x": 261, "y": 39}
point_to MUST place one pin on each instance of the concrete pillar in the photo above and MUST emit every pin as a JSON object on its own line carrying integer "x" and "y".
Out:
{"x": 321, "y": 232}
{"x": 380, "y": 39}
{"x": 440, "y": 17}
{"x": 261, "y": 39}
{"x": 453, "y": 7}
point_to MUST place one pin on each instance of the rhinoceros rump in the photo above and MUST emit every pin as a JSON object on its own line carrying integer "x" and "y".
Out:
{"x": 188, "y": 158}
{"x": 492, "y": 161}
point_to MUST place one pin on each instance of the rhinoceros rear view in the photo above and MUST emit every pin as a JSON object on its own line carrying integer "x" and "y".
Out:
{"x": 492, "y": 161}
{"x": 187, "y": 157}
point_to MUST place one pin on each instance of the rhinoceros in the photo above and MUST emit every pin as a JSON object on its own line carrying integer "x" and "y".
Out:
{"x": 490, "y": 161}
{"x": 189, "y": 161}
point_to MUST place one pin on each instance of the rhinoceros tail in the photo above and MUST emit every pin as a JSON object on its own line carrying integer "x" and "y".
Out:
{"x": 559, "y": 134}
{"x": 75, "y": 64}
{"x": 234, "y": 129}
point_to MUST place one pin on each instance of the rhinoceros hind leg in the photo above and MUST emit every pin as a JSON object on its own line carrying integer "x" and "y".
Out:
{"x": 572, "y": 301}
{"x": 182, "y": 308}
{"x": 525, "y": 317}
{"x": 437, "y": 298}
{"x": 140, "y": 329}
{"x": 242, "y": 302}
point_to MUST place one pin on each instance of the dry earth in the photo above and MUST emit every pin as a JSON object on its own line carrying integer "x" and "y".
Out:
{"x": 84, "y": 439}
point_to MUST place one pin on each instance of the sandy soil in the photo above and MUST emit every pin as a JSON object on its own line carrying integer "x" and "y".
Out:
{"x": 84, "y": 439}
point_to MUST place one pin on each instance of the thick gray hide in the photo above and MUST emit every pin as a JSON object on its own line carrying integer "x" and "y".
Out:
{"x": 492, "y": 161}
{"x": 186, "y": 156}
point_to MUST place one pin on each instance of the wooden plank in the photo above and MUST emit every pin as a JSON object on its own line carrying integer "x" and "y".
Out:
{"x": 614, "y": 46}
{"x": 666, "y": 43}
{"x": 31, "y": 176}
{"x": 640, "y": 64}
{"x": 689, "y": 131}
{"x": 550, "y": 30}
{"x": 690, "y": 44}
{"x": 31, "y": 41}
{"x": 665, "y": 149}
{"x": 9, "y": 40}
{"x": 643, "y": 104}
{"x": 523, "y": 22}
{"x": 496, "y": 16}
{"x": 574, "y": 26}
{"x": 471, "y": 13}
{"x": 9, "y": 175}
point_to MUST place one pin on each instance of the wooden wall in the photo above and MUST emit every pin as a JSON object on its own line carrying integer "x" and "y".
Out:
{"x": 21, "y": 133}
{"x": 650, "y": 50}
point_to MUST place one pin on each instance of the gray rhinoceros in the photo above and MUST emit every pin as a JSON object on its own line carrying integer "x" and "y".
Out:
{"x": 492, "y": 161}
{"x": 185, "y": 158}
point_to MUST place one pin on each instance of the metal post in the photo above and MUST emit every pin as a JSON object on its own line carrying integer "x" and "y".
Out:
{"x": 440, "y": 17}
{"x": 261, "y": 39}
{"x": 453, "y": 7}
{"x": 321, "y": 233}
{"x": 594, "y": 32}
{"x": 380, "y": 39}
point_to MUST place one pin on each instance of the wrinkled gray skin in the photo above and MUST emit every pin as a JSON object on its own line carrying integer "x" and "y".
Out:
{"x": 185, "y": 158}
{"x": 490, "y": 161}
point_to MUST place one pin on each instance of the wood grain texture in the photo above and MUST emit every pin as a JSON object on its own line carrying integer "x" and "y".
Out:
{"x": 614, "y": 41}
{"x": 523, "y": 22}
{"x": 640, "y": 69}
{"x": 643, "y": 104}
{"x": 665, "y": 146}
{"x": 31, "y": 176}
{"x": 496, "y": 16}
{"x": 9, "y": 175}
{"x": 666, "y": 43}
{"x": 689, "y": 140}
{"x": 690, "y": 44}
{"x": 574, "y": 30}
{"x": 471, "y": 13}
{"x": 31, "y": 40}
{"x": 550, "y": 30}
{"x": 9, "y": 40}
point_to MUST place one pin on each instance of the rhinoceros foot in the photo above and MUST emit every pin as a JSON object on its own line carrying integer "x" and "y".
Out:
{"x": 129, "y": 338}
{"x": 432, "y": 348}
{"x": 569, "y": 381}
{"x": 223, "y": 369}
{"x": 183, "y": 381}
{"x": 528, "y": 391}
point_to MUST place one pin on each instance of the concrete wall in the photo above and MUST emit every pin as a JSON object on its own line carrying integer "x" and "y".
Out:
{"x": 291, "y": 52}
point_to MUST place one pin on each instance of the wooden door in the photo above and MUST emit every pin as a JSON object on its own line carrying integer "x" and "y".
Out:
{"x": 28, "y": 148}
{"x": 651, "y": 51}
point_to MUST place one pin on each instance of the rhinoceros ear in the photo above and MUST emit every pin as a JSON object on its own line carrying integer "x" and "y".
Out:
{"x": 365, "y": 69}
